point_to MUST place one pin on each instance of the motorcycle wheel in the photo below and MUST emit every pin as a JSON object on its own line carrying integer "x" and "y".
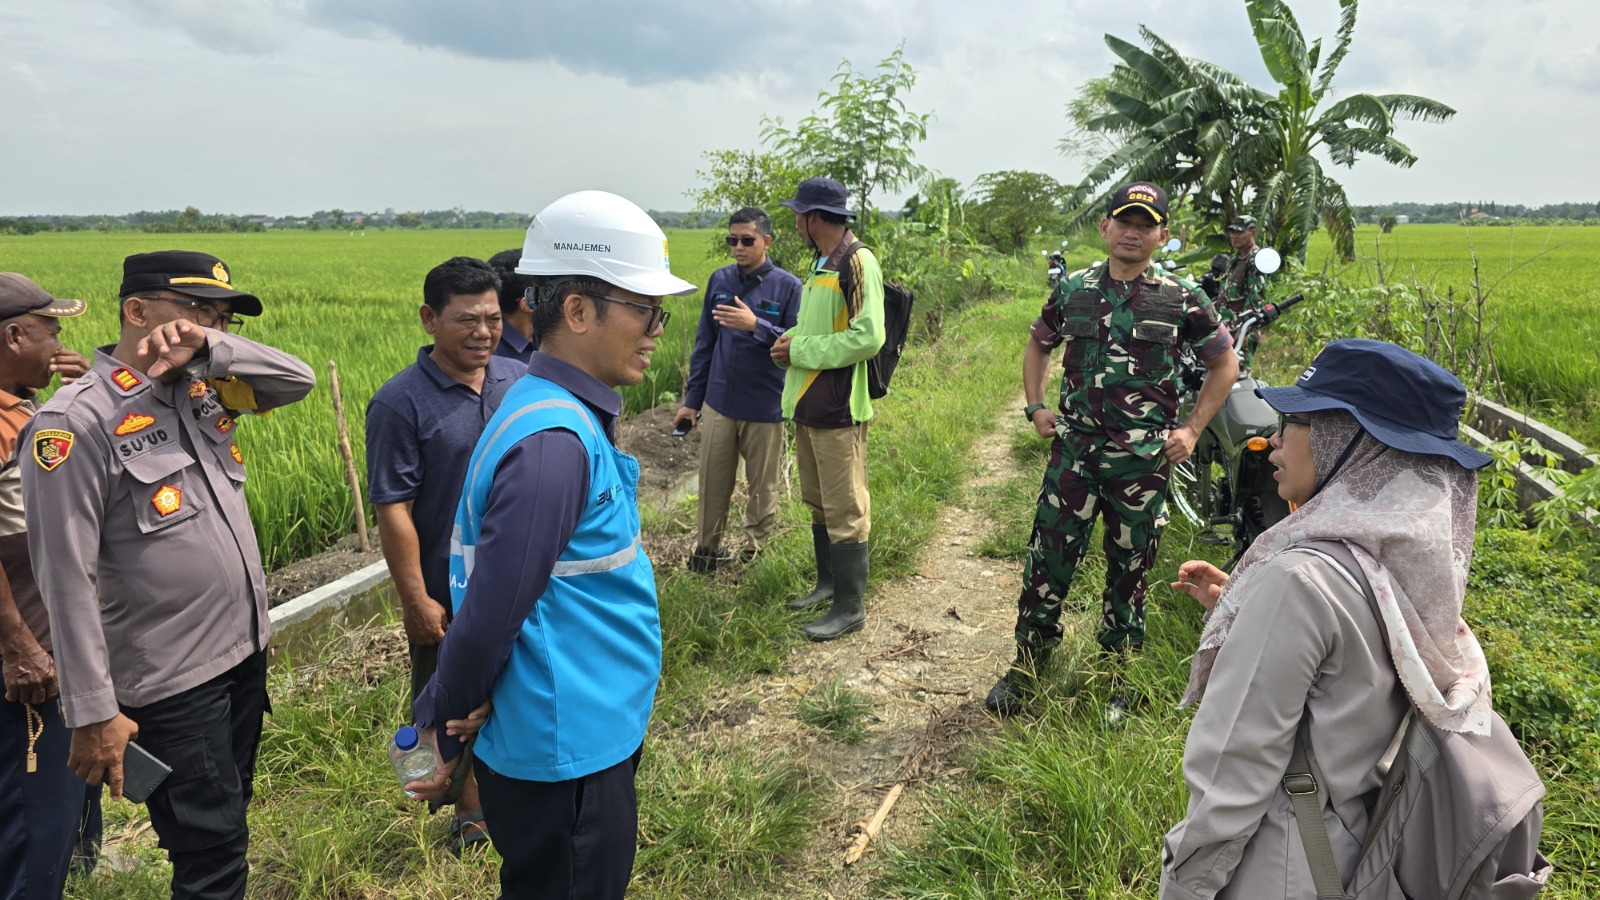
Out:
{"x": 1194, "y": 491}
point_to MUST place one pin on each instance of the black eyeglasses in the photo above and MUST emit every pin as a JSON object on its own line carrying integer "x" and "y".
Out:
{"x": 1288, "y": 419}
{"x": 658, "y": 315}
{"x": 208, "y": 315}
{"x": 735, "y": 240}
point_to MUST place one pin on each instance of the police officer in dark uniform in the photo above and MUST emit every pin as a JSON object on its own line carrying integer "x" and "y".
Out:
{"x": 157, "y": 601}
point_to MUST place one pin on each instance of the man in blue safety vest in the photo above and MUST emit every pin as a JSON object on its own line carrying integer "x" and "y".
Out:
{"x": 555, "y": 601}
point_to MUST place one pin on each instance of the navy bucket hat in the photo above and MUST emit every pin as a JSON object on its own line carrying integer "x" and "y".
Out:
{"x": 1402, "y": 400}
{"x": 822, "y": 194}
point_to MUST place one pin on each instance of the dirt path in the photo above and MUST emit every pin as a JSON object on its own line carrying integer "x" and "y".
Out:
{"x": 933, "y": 645}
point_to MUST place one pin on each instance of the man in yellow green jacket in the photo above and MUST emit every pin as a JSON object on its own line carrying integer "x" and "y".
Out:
{"x": 840, "y": 327}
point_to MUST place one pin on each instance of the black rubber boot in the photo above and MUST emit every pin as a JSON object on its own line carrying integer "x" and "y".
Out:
{"x": 824, "y": 589}
{"x": 1015, "y": 688}
{"x": 849, "y": 611}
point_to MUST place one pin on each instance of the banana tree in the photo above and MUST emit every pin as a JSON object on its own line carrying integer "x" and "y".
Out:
{"x": 1200, "y": 130}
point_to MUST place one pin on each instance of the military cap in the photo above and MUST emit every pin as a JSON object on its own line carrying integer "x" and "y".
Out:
{"x": 1141, "y": 194}
{"x": 186, "y": 272}
{"x": 19, "y": 296}
{"x": 1241, "y": 223}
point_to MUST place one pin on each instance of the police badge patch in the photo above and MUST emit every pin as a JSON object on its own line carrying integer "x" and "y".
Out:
{"x": 51, "y": 448}
{"x": 132, "y": 423}
{"x": 167, "y": 501}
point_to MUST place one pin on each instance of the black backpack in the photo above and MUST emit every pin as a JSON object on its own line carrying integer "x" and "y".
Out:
{"x": 897, "y": 302}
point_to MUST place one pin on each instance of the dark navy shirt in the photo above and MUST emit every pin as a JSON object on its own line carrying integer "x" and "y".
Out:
{"x": 513, "y": 345}
{"x": 535, "y": 503}
{"x": 421, "y": 428}
{"x": 732, "y": 370}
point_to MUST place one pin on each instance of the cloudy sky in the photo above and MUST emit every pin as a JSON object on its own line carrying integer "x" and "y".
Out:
{"x": 289, "y": 106}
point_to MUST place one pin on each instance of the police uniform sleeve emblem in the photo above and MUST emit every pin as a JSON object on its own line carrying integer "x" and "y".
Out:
{"x": 51, "y": 447}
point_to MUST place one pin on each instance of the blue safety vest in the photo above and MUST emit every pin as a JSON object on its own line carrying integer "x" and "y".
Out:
{"x": 575, "y": 695}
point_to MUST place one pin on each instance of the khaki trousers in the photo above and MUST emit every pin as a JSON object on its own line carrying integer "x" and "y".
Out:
{"x": 723, "y": 442}
{"x": 833, "y": 480}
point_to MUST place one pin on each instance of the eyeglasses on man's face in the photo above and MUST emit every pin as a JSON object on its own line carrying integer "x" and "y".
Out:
{"x": 657, "y": 315}
{"x": 741, "y": 240}
{"x": 206, "y": 314}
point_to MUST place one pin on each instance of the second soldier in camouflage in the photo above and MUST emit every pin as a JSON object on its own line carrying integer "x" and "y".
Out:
{"x": 1122, "y": 325}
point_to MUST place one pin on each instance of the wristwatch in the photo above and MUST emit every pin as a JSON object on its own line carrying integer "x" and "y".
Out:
{"x": 1030, "y": 409}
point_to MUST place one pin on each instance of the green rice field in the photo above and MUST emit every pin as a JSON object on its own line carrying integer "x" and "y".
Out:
{"x": 351, "y": 297}
{"x": 1544, "y": 301}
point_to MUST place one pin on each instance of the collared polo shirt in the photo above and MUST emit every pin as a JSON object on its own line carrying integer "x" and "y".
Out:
{"x": 421, "y": 428}
{"x": 513, "y": 345}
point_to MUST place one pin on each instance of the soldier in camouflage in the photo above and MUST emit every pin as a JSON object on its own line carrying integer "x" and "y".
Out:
{"x": 1244, "y": 287}
{"x": 1122, "y": 325}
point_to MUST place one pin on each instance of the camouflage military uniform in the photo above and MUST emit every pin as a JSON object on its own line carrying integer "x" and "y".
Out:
{"x": 1119, "y": 399}
{"x": 1243, "y": 289}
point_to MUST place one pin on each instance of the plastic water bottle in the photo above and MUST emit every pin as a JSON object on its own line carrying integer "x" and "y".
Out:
{"x": 412, "y": 759}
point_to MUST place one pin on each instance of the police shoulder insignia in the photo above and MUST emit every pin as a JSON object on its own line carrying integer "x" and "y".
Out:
{"x": 197, "y": 389}
{"x": 134, "y": 422}
{"x": 51, "y": 447}
{"x": 233, "y": 450}
{"x": 224, "y": 424}
{"x": 125, "y": 378}
{"x": 167, "y": 500}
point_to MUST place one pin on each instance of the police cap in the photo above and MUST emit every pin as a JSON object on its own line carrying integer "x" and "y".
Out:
{"x": 186, "y": 272}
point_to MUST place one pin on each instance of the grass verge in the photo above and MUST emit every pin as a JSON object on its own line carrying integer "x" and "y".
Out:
{"x": 1062, "y": 804}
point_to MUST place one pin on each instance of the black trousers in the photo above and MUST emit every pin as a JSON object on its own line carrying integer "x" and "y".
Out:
{"x": 208, "y": 735}
{"x": 563, "y": 840}
{"x": 47, "y": 815}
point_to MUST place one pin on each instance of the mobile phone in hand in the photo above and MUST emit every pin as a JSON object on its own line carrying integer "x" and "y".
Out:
{"x": 141, "y": 773}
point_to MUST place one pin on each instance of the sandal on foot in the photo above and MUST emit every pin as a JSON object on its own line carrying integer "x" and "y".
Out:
{"x": 466, "y": 830}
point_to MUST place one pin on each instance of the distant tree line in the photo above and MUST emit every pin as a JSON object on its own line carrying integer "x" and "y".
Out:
{"x": 1483, "y": 209}
{"x": 191, "y": 220}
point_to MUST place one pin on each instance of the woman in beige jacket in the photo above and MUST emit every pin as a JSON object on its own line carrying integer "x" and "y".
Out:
{"x": 1367, "y": 449}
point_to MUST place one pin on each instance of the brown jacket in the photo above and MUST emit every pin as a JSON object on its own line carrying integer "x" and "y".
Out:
{"x": 134, "y": 491}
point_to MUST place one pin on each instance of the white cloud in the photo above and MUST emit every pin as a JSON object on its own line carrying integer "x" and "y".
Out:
{"x": 25, "y": 72}
{"x": 284, "y": 106}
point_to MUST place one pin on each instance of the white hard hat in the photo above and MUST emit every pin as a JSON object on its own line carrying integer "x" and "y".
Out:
{"x": 601, "y": 235}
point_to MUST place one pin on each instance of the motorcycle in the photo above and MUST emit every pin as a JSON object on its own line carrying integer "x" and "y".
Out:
{"x": 1227, "y": 482}
{"x": 1056, "y": 263}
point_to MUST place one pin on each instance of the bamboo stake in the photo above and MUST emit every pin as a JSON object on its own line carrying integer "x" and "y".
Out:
{"x": 349, "y": 458}
{"x": 875, "y": 825}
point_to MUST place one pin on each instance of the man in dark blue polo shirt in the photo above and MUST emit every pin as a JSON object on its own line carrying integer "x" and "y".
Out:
{"x": 734, "y": 389}
{"x": 516, "y": 337}
{"x": 421, "y": 428}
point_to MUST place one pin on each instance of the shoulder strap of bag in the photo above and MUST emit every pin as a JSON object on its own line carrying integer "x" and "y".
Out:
{"x": 847, "y": 278}
{"x": 1298, "y": 782}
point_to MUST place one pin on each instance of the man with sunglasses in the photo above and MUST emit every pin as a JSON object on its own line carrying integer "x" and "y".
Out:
{"x": 157, "y": 600}
{"x": 736, "y": 387}
{"x": 555, "y": 600}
